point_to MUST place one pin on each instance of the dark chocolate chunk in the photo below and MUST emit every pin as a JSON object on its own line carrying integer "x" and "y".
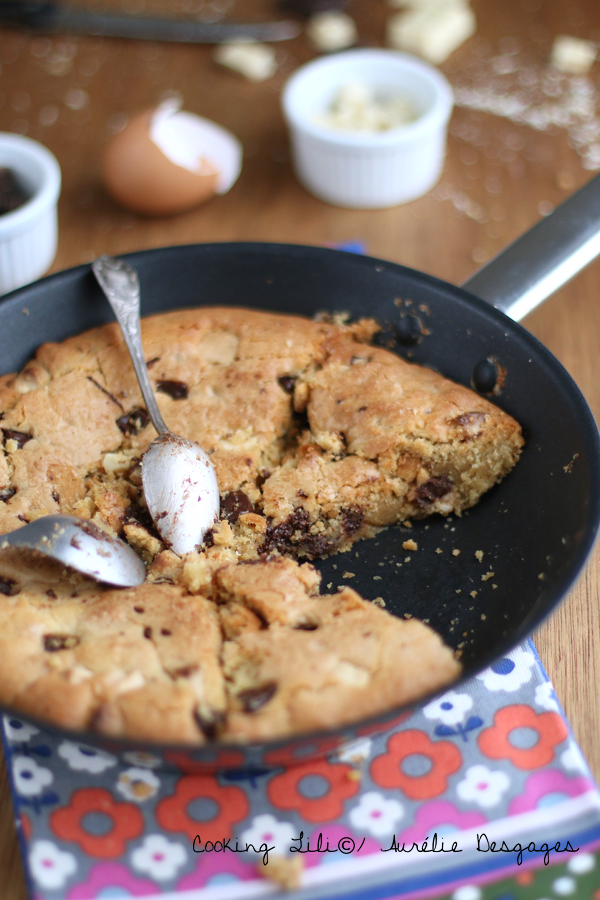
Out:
{"x": 210, "y": 723}
{"x": 133, "y": 422}
{"x": 315, "y": 545}
{"x": 55, "y": 642}
{"x": 177, "y": 390}
{"x": 20, "y": 437}
{"x": 306, "y": 626}
{"x": 50, "y": 593}
{"x": 184, "y": 671}
{"x": 166, "y": 632}
{"x": 12, "y": 194}
{"x": 432, "y": 490}
{"x": 254, "y": 698}
{"x": 279, "y": 537}
{"x": 7, "y": 586}
{"x": 234, "y": 505}
{"x": 352, "y": 519}
{"x": 148, "y": 632}
{"x": 287, "y": 383}
{"x": 7, "y": 493}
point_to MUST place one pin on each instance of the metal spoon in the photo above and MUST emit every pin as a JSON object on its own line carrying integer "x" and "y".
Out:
{"x": 82, "y": 545}
{"x": 179, "y": 480}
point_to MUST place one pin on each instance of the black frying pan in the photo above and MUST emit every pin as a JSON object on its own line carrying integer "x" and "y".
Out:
{"x": 535, "y": 529}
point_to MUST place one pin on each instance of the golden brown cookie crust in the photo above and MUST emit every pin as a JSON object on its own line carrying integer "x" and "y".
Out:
{"x": 318, "y": 438}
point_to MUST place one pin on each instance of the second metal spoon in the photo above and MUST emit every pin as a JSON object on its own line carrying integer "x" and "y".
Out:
{"x": 178, "y": 478}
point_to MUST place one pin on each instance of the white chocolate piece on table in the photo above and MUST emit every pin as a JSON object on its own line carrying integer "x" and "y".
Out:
{"x": 256, "y": 62}
{"x": 571, "y": 55}
{"x": 330, "y": 31}
{"x": 433, "y": 32}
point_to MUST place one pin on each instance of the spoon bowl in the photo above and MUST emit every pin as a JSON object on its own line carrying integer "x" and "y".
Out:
{"x": 81, "y": 545}
{"x": 178, "y": 479}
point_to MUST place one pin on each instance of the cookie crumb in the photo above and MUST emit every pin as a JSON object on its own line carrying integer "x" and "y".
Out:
{"x": 378, "y": 601}
{"x": 479, "y": 555}
{"x": 483, "y": 617}
{"x": 410, "y": 545}
{"x": 349, "y": 575}
{"x": 487, "y": 576}
{"x": 473, "y": 594}
{"x": 456, "y": 552}
{"x": 438, "y": 550}
{"x": 458, "y": 591}
{"x": 283, "y": 870}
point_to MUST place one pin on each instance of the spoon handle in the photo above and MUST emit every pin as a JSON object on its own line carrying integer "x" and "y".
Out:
{"x": 121, "y": 286}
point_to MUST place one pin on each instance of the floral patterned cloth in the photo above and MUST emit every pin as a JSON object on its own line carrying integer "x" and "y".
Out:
{"x": 491, "y": 761}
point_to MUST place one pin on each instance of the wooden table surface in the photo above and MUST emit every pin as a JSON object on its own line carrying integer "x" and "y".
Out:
{"x": 500, "y": 176}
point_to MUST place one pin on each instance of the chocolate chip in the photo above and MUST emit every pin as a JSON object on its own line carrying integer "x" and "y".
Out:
{"x": 485, "y": 376}
{"x": 20, "y": 437}
{"x": 50, "y": 593}
{"x": 166, "y": 632}
{"x": 436, "y": 487}
{"x": 306, "y": 626}
{"x": 255, "y": 698}
{"x": 148, "y": 632}
{"x": 7, "y": 493}
{"x": 470, "y": 418}
{"x": 362, "y": 408}
{"x": 234, "y": 505}
{"x": 184, "y": 671}
{"x": 315, "y": 545}
{"x": 352, "y": 520}
{"x": 287, "y": 383}
{"x": 56, "y": 496}
{"x": 177, "y": 390}
{"x": 133, "y": 422}
{"x": 54, "y": 642}
{"x": 138, "y": 609}
{"x": 210, "y": 722}
{"x": 6, "y": 586}
{"x": 408, "y": 330}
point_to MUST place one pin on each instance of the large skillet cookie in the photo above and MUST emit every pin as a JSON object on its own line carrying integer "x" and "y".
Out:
{"x": 535, "y": 529}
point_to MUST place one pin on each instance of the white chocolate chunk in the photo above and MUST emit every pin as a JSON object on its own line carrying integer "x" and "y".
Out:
{"x": 256, "y": 62}
{"x": 433, "y": 32}
{"x": 357, "y": 107}
{"x": 571, "y": 55}
{"x": 330, "y": 31}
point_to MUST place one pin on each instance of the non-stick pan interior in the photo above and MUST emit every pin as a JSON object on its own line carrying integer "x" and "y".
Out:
{"x": 534, "y": 529}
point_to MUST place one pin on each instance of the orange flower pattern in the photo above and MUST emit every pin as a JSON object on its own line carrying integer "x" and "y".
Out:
{"x": 550, "y": 728}
{"x": 230, "y": 806}
{"x": 332, "y": 784}
{"x": 444, "y": 759}
{"x": 126, "y": 822}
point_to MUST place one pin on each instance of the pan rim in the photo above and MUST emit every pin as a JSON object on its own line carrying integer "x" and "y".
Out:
{"x": 532, "y": 621}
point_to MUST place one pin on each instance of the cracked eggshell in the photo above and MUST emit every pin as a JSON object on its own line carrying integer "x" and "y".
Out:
{"x": 166, "y": 161}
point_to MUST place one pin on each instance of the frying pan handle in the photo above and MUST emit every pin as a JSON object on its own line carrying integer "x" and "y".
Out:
{"x": 544, "y": 258}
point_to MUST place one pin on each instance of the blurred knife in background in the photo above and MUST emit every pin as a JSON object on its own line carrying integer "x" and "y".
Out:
{"x": 43, "y": 16}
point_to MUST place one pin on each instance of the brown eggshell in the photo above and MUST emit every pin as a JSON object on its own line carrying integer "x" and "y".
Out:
{"x": 138, "y": 175}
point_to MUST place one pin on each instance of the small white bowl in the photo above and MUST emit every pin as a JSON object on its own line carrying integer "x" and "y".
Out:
{"x": 368, "y": 170}
{"x": 28, "y": 234}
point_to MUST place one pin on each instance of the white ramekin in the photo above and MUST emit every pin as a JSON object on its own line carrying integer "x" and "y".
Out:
{"x": 28, "y": 235}
{"x": 368, "y": 170}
